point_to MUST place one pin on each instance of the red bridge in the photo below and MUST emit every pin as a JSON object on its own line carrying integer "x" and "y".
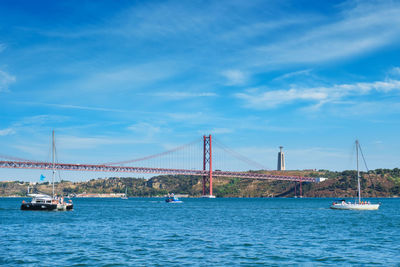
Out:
{"x": 207, "y": 171}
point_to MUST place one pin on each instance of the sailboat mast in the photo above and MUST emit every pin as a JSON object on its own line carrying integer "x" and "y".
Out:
{"x": 358, "y": 174}
{"x": 53, "y": 160}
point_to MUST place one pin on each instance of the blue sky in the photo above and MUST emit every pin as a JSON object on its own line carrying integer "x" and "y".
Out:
{"x": 118, "y": 80}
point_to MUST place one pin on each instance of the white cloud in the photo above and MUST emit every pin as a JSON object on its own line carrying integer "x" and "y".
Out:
{"x": 33, "y": 126}
{"x": 395, "y": 71}
{"x": 146, "y": 131}
{"x": 319, "y": 95}
{"x": 7, "y": 131}
{"x": 185, "y": 116}
{"x": 217, "y": 131}
{"x": 38, "y": 152}
{"x": 272, "y": 99}
{"x": 357, "y": 31}
{"x": 128, "y": 77}
{"x": 76, "y": 142}
{"x": 67, "y": 106}
{"x": 221, "y": 130}
{"x": 182, "y": 95}
{"x": 234, "y": 77}
{"x": 362, "y": 108}
{"x": 246, "y": 31}
{"x": 5, "y": 80}
{"x": 293, "y": 74}
{"x": 38, "y": 120}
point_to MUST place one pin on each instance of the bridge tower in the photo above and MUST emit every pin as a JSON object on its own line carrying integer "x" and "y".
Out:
{"x": 281, "y": 160}
{"x": 207, "y": 162}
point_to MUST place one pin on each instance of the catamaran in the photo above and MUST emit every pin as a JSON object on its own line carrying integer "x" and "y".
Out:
{"x": 360, "y": 205}
{"x": 46, "y": 202}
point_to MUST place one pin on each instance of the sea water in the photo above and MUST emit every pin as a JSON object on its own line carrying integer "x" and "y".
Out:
{"x": 199, "y": 232}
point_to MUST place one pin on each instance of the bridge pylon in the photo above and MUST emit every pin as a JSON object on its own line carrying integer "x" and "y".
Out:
{"x": 207, "y": 162}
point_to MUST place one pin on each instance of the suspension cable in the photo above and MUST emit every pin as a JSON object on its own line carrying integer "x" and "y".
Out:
{"x": 15, "y": 158}
{"x": 151, "y": 156}
{"x": 238, "y": 155}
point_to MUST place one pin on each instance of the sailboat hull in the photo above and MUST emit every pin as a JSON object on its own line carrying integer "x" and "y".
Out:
{"x": 355, "y": 206}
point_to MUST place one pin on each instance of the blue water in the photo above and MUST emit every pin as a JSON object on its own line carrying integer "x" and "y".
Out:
{"x": 200, "y": 232}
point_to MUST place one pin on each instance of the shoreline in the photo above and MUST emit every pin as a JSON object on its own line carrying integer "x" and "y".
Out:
{"x": 394, "y": 197}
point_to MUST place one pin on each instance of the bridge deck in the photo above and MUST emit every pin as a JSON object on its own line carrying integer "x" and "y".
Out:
{"x": 108, "y": 168}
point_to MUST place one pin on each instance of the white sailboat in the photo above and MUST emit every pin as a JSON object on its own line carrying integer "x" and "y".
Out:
{"x": 360, "y": 205}
{"x": 126, "y": 194}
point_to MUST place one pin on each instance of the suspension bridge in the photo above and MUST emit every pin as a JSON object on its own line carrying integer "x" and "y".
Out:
{"x": 174, "y": 159}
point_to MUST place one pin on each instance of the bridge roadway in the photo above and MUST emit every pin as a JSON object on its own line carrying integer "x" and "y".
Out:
{"x": 107, "y": 168}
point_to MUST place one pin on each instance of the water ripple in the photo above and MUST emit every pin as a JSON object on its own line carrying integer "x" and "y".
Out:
{"x": 199, "y": 232}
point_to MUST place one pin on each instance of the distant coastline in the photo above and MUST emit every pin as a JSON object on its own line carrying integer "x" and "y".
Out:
{"x": 377, "y": 183}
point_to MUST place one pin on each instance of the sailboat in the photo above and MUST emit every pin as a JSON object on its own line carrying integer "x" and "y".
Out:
{"x": 126, "y": 194}
{"x": 360, "y": 205}
{"x": 46, "y": 202}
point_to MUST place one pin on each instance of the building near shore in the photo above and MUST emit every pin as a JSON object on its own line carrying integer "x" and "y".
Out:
{"x": 281, "y": 160}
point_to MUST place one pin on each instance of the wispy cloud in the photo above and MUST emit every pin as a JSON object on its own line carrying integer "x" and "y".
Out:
{"x": 77, "y": 142}
{"x": 234, "y": 77}
{"x": 39, "y": 120}
{"x": 395, "y": 71}
{"x": 360, "y": 29}
{"x": 305, "y": 72}
{"x": 32, "y": 125}
{"x": 147, "y": 131}
{"x": 178, "y": 116}
{"x": 7, "y": 131}
{"x": 36, "y": 152}
{"x": 144, "y": 128}
{"x": 181, "y": 95}
{"x": 5, "y": 79}
{"x": 362, "y": 108}
{"x": 2, "y": 47}
{"x": 216, "y": 131}
{"x": 251, "y": 30}
{"x": 127, "y": 77}
{"x": 261, "y": 98}
{"x": 66, "y": 106}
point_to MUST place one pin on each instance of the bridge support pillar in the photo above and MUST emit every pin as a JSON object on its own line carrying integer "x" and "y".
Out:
{"x": 300, "y": 190}
{"x": 207, "y": 162}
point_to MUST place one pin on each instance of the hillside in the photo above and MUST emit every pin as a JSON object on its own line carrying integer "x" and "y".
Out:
{"x": 377, "y": 183}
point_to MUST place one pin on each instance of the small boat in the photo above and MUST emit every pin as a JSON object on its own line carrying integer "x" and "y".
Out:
{"x": 171, "y": 198}
{"x": 46, "y": 202}
{"x": 360, "y": 205}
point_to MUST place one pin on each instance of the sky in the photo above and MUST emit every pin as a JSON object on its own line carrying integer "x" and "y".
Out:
{"x": 119, "y": 80}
